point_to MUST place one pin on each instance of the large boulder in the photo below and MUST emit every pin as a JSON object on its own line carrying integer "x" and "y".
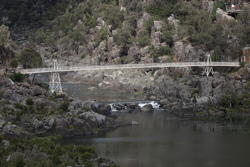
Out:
{"x": 93, "y": 118}
{"x": 103, "y": 109}
{"x": 221, "y": 15}
{"x": 147, "y": 108}
{"x": 133, "y": 108}
{"x": 37, "y": 91}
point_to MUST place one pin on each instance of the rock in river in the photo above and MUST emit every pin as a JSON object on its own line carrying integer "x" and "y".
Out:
{"x": 147, "y": 108}
{"x": 103, "y": 109}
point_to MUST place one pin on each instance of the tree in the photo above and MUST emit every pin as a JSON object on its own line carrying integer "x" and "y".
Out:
{"x": 29, "y": 58}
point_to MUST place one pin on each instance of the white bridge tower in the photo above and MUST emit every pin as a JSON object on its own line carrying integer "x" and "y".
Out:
{"x": 55, "y": 85}
{"x": 208, "y": 69}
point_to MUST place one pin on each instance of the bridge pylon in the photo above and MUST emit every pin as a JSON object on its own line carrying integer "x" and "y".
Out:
{"x": 208, "y": 69}
{"x": 55, "y": 85}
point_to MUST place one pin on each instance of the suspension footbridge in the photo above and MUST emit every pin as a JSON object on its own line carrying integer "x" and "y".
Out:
{"x": 55, "y": 81}
{"x": 128, "y": 66}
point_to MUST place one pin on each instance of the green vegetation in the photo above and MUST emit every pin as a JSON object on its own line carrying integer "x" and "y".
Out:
{"x": 112, "y": 14}
{"x": 17, "y": 77}
{"x": 200, "y": 28}
{"x": 14, "y": 63}
{"x": 46, "y": 151}
{"x": 217, "y": 4}
{"x": 143, "y": 39}
{"x": 65, "y": 106}
{"x": 236, "y": 105}
{"x": 163, "y": 9}
{"x": 161, "y": 51}
{"x": 29, "y": 58}
{"x": 29, "y": 102}
{"x": 102, "y": 35}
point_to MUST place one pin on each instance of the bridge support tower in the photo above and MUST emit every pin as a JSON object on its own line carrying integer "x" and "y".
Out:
{"x": 208, "y": 69}
{"x": 55, "y": 85}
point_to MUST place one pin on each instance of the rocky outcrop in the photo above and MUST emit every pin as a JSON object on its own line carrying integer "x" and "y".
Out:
{"x": 222, "y": 15}
{"x": 157, "y": 35}
{"x": 29, "y": 110}
{"x": 103, "y": 109}
{"x": 192, "y": 96}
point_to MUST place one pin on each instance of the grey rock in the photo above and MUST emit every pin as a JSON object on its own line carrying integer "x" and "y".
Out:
{"x": 37, "y": 91}
{"x": 61, "y": 123}
{"x": 2, "y": 122}
{"x": 222, "y": 15}
{"x": 141, "y": 22}
{"x": 37, "y": 124}
{"x": 147, "y": 108}
{"x": 13, "y": 130}
{"x": 6, "y": 144}
{"x": 103, "y": 109}
{"x": 131, "y": 108}
{"x": 202, "y": 100}
{"x": 93, "y": 117}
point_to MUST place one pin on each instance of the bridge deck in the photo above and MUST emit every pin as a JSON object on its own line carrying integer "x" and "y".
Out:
{"x": 129, "y": 66}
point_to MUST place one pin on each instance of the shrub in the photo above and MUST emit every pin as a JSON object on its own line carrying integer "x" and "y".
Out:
{"x": 17, "y": 77}
{"x": 143, "y": 39}
{"x": 167, "y": 37}
{"x": 77, "y": 35}
{"x": 203, "y": 38}
{"x": 29, "y": 102}
{"x": 148, "y": 25}
{"x": 19, "y": 162}
{"x": 123, "y": 37}
{"x": 163, "y": 9}
{"x": 14, "y": 63}
{"x": 65, "y": 106}
{"x": 20, "y": 106}
{"x": 112, "y": 15}
{"x": 103, "y": 33}
{"x": 162, "y": 51}
{"x": 217, "y": 55}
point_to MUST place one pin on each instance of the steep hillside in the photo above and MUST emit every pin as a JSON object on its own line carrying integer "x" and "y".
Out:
{"x": 137, "y": 31}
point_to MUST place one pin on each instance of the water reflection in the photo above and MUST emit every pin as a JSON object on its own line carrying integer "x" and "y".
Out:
{"x": 162, "y": 140}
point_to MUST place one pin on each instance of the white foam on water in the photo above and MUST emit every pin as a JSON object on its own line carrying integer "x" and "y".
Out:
{"x": 141, "y": 104}
{"x": 113, "y": 109}
{"x": 153, "y": 103}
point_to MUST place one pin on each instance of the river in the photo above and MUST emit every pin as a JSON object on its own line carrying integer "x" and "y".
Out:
{"x": 163, "y": 140}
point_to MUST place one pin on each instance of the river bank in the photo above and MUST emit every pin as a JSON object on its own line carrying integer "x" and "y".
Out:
{"x": 32, "y": 123}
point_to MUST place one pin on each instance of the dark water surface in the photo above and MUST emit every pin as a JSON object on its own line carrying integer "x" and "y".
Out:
{"x": 162, "y": 140}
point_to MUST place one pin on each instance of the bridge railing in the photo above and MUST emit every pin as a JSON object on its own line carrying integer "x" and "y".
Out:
{"x": 129, "y": 66}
